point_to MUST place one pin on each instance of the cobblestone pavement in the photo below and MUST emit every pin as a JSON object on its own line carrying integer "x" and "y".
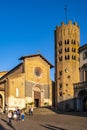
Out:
{"x": 46, "y": 122}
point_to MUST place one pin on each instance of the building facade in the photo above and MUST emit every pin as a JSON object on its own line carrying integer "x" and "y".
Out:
{"x": 28, "y": 82}
{"x": 80, "y": 89}
{"x": 67, "y": 43}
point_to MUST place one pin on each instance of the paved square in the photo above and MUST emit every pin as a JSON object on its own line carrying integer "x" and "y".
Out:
{"x": 47, "y": 122}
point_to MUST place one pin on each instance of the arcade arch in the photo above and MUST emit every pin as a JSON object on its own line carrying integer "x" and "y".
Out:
{"x": 82, "y": 100}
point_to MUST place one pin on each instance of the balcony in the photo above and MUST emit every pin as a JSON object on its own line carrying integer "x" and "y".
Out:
{"x": 80, "y": 85}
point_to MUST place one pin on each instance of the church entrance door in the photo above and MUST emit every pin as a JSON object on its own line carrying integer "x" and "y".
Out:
{"x": 37, "y": 99}
{"x": 36, "y": 102}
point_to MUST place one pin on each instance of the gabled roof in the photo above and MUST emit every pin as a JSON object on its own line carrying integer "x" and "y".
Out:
{"x": 10, "y": 71}
{"x": 29, "y": 56}
{"x": 22, "y": 58}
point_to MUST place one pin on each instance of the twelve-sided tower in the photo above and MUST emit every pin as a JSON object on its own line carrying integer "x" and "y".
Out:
{"x": 67, "y": 42}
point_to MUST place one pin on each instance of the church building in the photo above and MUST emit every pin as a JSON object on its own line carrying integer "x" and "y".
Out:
{"x": 28, "y": 82}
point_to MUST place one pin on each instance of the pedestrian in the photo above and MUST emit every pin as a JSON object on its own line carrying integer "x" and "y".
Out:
{"x": 9, "y": 117}
{"x": 29, "y": 111}
{"x": 32, "y": 111}
{"x": 18, "y": 114}
{"x": 15, "y": 115}
{"x": 22, "y": 116}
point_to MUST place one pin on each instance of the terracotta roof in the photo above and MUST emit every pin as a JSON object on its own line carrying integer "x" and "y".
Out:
{"x": 29, "y": 56}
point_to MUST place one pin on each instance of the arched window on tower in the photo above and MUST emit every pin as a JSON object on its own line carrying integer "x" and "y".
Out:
{"x": 67, "y": 57}
{"x": 60, "y": 51}
{"x": 60, "y": 43}
{"x": 73, "y": 57}
{"x": 74, "y": 42}
{"x": 73, "y": 49}
{"x": 60, "y": 86}
{"x": 67, "y": 49}
{"x": 65, "y": 42}
{"x": 60, "y": 58}
{"x": 60, "y": 93}
{"x": 71, "y": 41}
{"x": 68, "y": 41}
{"x": 60, "y": 72}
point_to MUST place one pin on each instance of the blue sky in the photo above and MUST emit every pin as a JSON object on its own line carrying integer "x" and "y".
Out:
{"x": 27, "y": 27}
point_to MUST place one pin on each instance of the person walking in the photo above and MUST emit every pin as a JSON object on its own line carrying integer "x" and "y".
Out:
{"x": 15, "y": 115}
{"x": 22, "y": 116}
{"x": 32, "y": 111}
{"x": 9, "y": 117}
{"x": 29, "y": 111}
{"x": 18, "y": 114}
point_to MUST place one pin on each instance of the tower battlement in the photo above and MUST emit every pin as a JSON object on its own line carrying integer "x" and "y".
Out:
{"x": 69, "y": 24}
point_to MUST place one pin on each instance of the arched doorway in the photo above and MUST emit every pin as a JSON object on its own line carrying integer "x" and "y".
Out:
{"x": 1, "y": 100}
{"x": 82, "y": 96}
{"x": 85, "y": 103}
{"x": 37, "y": 97}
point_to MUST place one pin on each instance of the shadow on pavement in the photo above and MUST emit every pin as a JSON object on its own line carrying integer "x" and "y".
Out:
{"x": 9, "y": 124}
{"x": 52, "y": 127}
{"x": 2, "y": 128}
{"x": 48, "y": 109}
{"x": 81, "y": 114}
{"x": 73, "y": 113}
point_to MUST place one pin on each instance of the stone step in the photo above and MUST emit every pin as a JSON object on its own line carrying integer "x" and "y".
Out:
{"x": 43, "y": 111}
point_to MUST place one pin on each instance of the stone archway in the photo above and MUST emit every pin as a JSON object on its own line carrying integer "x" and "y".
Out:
{"x": 82, "y": 100}
{"x": 85, "y": 103}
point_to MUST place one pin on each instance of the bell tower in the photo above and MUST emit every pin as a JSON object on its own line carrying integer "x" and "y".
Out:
{"x": 67, "y": 42}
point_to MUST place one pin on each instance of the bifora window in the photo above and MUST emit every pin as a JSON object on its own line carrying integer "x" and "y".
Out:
{"x": 38, "y": 71}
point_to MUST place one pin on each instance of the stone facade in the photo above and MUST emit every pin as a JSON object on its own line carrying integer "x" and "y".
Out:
{"x": 67, "y": 42}
{"x": 80, "y": 89}
{"x": 26, "y": 83}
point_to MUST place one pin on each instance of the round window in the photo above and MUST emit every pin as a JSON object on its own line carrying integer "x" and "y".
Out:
{"x": 38, "y": 71}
